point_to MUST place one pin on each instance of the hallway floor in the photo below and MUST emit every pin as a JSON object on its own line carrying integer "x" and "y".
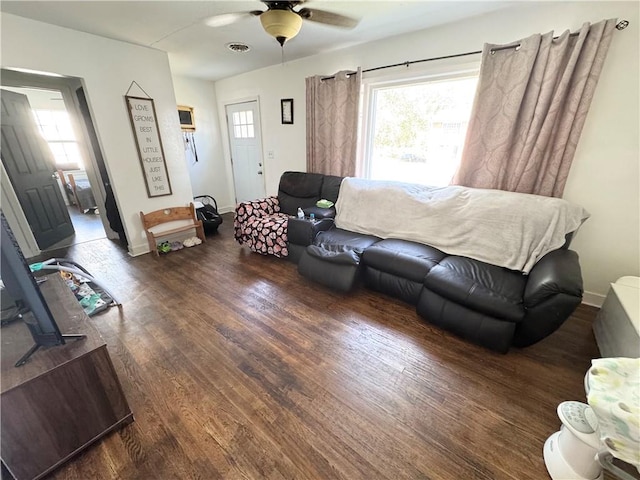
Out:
{"x": 88, "y": 227}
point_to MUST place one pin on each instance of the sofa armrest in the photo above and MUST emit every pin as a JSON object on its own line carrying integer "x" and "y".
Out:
{"x": 320, "y": 212}
{"x": 303, "y": 231}
{"x": 247, "y": 212}
{"x": 259, "y": 207}
{"x": 557, "y": 272}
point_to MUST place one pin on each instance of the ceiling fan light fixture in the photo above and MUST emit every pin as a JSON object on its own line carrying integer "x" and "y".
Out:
{"x": 282, "y": 25}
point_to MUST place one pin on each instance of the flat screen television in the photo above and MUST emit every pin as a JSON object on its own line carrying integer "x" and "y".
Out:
{"x": 23, "y": 288}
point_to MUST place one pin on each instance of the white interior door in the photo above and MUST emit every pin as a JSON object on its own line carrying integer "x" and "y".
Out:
{"x": 245, "y": 143}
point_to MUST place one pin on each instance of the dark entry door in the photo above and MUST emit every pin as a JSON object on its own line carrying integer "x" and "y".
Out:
{"x": 29, "y": 164}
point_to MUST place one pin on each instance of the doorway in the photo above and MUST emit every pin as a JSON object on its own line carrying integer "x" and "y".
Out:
{"x": 49, "y": 178}
{"x": 245, "y": 145}
{"x": 93, "y": 212}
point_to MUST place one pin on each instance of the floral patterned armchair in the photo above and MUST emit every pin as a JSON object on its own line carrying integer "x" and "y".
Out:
{"x": 262, "y": 224}
{"x": 262, "y": 227}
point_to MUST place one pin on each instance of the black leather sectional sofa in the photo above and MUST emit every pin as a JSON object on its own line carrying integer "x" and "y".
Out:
{"x": 489, "y": 305}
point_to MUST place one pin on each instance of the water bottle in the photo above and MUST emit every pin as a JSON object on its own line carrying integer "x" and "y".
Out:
{"x": 300, "y": 213}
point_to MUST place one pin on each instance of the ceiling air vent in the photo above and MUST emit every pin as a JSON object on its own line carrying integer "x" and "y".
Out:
{"x": 238, "y": 47}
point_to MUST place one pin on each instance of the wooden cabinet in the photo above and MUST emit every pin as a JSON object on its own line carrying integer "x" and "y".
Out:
{"x": 64, "y": 399}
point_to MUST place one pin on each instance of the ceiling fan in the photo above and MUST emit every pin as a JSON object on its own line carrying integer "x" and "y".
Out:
{"x": 281, "y": 21}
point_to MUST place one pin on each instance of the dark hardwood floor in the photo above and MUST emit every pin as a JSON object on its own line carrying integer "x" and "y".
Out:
{"x": 236, "y": 367}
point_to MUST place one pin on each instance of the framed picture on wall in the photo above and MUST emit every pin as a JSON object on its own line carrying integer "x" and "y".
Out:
{"x": 286, "y": 110}
{"x": 142, "y": 114}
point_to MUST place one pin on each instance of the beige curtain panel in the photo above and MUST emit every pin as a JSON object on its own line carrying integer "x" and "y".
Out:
{"x": 529, "y": 110}
{"x": 332, "y": 123}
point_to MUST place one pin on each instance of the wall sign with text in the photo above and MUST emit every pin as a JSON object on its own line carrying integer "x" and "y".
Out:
{"x": 142, "y": 113}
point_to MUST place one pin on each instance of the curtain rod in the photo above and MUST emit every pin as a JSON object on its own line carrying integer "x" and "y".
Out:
{"x": 621, "y": 25}
{"x": 407, "y": 63}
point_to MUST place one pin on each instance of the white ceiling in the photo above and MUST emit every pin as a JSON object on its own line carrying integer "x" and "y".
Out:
{"x": 197, "y": 50}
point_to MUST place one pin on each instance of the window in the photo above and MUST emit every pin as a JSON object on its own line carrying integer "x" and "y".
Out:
{"x": 56, "y": 129}
{"x": 416, "y": 128}
{"x": 243, "y": 124}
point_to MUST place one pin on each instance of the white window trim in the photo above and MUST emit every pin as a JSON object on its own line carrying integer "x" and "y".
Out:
{"x": 425, "y": 74}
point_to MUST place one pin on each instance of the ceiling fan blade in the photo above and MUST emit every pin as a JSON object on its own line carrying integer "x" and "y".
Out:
{"x": 329, "y": 18}
{"x": 229, "y": 18}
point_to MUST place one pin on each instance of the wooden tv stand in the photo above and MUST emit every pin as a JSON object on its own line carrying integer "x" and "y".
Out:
{"x": 64, "y": 398}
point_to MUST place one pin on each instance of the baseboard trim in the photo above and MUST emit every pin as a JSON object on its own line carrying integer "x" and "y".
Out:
{"x": 137, "y": 250}
{"x": 227, "y": 209}
{"x": 593, "y": 299}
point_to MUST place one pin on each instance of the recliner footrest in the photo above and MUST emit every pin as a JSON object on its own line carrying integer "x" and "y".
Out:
{"x": 338, "y": 270}
{"x": 343, "y": 257}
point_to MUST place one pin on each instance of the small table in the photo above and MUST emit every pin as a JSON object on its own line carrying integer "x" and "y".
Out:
{"x": 617, "y": 325}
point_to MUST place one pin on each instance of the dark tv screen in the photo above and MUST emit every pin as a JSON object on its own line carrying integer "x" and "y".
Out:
{"x": 23, "y": 288}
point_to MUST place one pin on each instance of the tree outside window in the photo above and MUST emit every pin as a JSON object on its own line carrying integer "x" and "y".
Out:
{"x": 417, "y": 129}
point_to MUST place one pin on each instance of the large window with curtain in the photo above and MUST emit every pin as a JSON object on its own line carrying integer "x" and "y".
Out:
{"x": 414, "y": 127}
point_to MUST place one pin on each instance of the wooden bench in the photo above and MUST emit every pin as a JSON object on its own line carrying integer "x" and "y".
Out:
{"x": 173, "y": 214}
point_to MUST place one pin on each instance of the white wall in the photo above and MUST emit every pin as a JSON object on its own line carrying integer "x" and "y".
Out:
{"x": 107, "y": 68}
{"x": 210, "y": 173}
{"x": 605, "y": 176}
